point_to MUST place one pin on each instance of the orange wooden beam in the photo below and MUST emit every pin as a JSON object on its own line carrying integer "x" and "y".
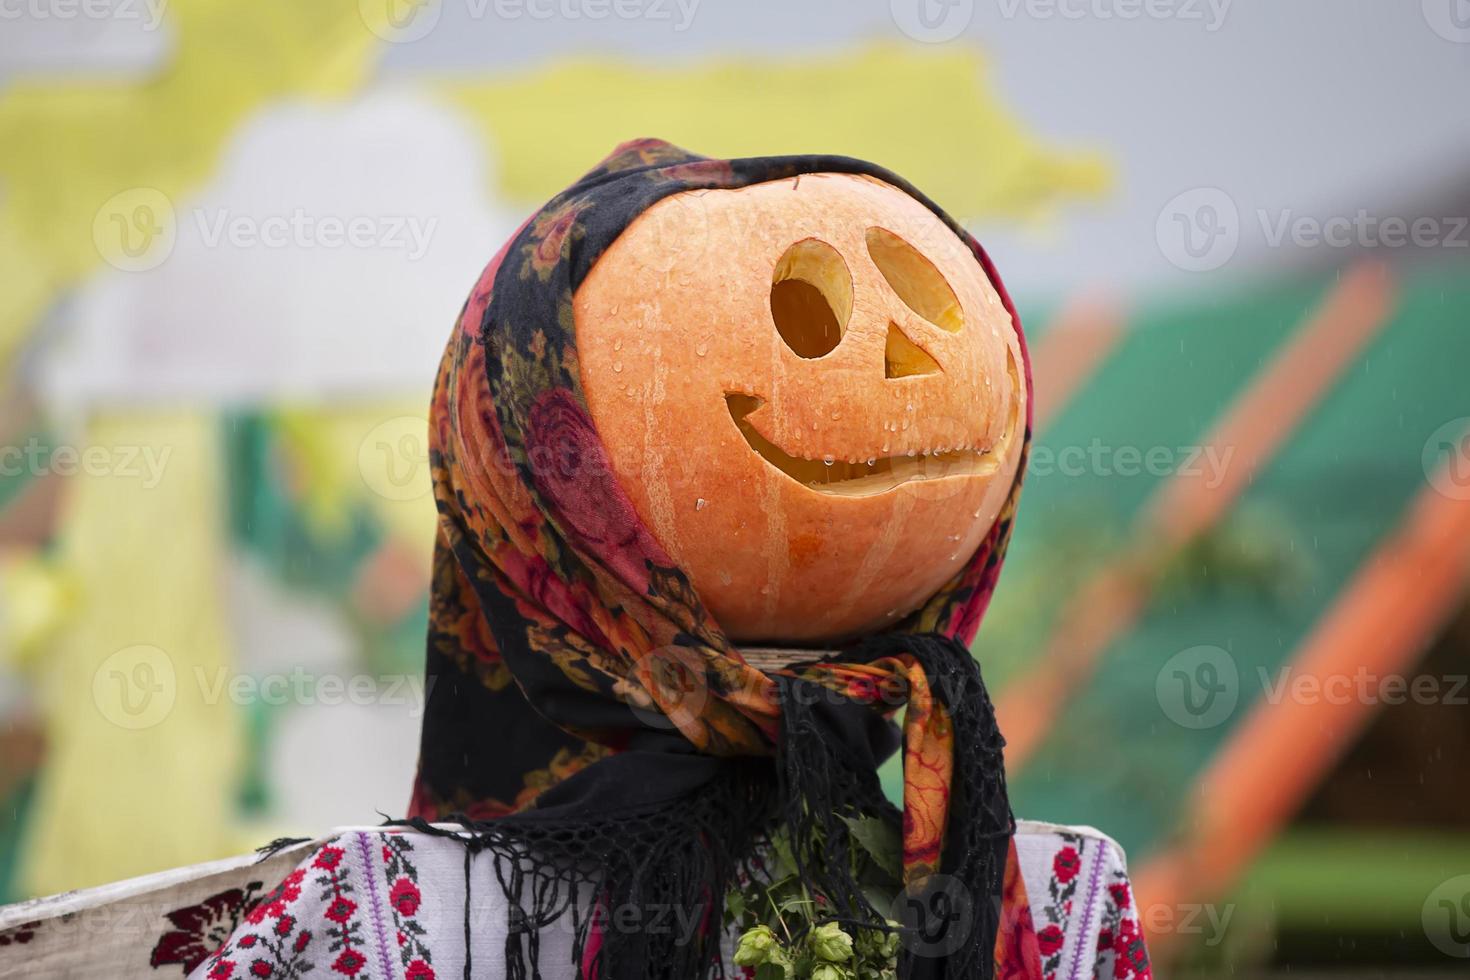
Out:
{"x": 1251, "y": 431}
{"x": 1381, "y": 621}
{"x": 1071, "y": 349}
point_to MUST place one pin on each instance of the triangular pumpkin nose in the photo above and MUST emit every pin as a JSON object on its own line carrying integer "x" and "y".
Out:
{"x": 903, "y": 358}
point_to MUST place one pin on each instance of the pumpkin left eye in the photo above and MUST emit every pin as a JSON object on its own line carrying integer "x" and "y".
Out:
{"x": 914, "y": 278}
{"x": 811, "y": 297}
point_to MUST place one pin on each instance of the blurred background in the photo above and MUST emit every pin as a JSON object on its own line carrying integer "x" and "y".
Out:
{"x": 1234, "y": 632}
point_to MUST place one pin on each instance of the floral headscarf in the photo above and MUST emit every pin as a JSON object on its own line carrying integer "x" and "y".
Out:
{"x": 585, "y": 707}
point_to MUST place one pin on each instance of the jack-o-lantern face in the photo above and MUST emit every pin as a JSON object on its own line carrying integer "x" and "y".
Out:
{"x": 811, "y": 393}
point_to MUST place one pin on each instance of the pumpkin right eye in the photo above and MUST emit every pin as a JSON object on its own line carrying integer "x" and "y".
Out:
{"x": 811, "y": 298}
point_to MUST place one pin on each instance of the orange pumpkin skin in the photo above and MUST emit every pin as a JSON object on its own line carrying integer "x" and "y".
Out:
{"x": 720, "y": 388}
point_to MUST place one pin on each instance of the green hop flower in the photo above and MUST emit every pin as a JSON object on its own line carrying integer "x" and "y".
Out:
{"x": 757, "y": 946}
{"x": 830, "y": 971}
{"x": 830, "y": 943}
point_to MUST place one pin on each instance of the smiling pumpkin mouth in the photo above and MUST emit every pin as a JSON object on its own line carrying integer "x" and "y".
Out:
{"x": 856, "y": 479}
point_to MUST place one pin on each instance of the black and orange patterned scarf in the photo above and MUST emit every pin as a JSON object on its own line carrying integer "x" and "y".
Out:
{"x": 589, "y": 719}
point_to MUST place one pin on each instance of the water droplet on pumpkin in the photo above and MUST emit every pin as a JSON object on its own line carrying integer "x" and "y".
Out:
{"x": 829, "y": 460}
{"x": 702, "y": 349}
{"x": 617, "y": 344}
{"x": 699, "y": 503}
{"x": 617, "y": 367}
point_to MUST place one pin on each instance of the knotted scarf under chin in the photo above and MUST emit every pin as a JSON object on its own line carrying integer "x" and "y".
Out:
{"x": 641, "y": 882}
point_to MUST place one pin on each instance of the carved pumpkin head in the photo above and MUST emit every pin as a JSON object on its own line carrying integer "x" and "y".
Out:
{"x": 811, "y": 393}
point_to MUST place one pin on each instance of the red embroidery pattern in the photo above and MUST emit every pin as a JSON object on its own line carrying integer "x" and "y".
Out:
{"x": 1120, "y": 938}
{"x": 404, "y": 897}
{"x": 346, "y": 930}
{"x": 201, "y": 929}
{"x": 275, "y": 949}
{"x": 21, "y": 934}
{"x": 1061, "y": 889}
